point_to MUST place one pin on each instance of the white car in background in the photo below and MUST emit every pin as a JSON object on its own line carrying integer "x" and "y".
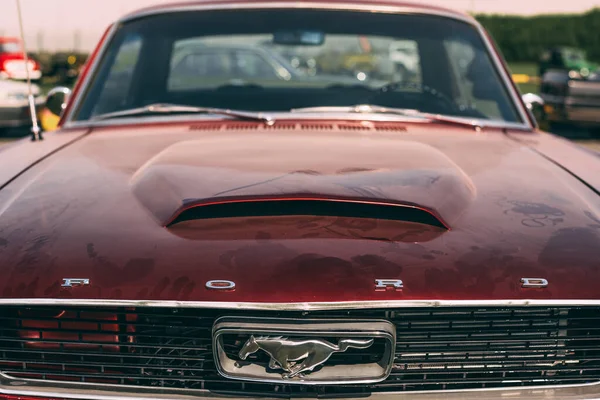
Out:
{"x": 405, "y": 55}
{"x": 14, "y": 104}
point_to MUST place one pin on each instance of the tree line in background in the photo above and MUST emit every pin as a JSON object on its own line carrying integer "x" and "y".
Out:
{"x": 523, "y": 39}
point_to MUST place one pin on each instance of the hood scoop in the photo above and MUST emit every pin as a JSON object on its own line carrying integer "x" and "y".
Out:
{"x": 281, "y": 206}
{"x": 277, "y": 175}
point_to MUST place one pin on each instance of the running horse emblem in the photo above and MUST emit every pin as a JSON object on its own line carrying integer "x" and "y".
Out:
{"x": 297, "y": 357}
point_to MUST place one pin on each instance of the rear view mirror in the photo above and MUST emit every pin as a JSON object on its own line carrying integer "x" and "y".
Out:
{"x": 299, "y": 38}
{"x": 535, "y": 106}
{"x": 532, "y": 101}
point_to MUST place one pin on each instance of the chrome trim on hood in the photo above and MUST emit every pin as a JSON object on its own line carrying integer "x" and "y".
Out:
{"x": 306, "y": 306}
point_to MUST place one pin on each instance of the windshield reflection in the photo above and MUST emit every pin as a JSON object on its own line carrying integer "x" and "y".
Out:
{"x": 277, "y": 60}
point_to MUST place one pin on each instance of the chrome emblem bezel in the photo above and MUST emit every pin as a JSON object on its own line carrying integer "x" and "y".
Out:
{"x": 299, "y": 350}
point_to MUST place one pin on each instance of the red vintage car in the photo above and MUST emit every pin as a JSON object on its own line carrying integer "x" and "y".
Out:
{"x": 200, "y": 226}
{"x": 12, "y": 61}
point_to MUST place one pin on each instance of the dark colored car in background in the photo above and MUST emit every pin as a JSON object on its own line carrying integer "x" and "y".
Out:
{"x": 64, "y": 66}
{"x": 570, "y": 88}
{"x": 199, "y": 233}
{"x": 567, "y": 59}
{"x": 223, "y": 64}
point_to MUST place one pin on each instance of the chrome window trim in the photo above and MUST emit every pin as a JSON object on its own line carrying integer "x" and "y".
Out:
{"x": 83, "y": 85}
{"x": 302, "y": 306}
{"x": 92, "y": 391}
{"x": 513, "y": 94}
{"x": 317, "y": 5}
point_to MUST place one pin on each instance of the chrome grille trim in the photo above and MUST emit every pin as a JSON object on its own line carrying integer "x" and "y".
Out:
{"x": 307, "y": 4}
{"x": 87, "y": 391}
{"x": 437, "y": 349}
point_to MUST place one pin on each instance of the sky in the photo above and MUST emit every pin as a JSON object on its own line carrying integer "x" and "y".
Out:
{"x": 78, "y": 24}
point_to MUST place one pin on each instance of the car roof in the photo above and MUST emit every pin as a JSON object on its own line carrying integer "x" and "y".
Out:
{"x": 7, "y": 39}
{"x": 325, "y": 4}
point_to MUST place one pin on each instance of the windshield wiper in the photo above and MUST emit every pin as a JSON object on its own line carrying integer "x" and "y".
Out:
{"x": 407, "y": 112}
{"x": 166, "y": 108}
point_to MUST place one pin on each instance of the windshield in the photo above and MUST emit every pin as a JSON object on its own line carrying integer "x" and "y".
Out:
{"x": 575, "y": 55}
{"x": 278, "y": 60}
{"x": 10, "y": 47}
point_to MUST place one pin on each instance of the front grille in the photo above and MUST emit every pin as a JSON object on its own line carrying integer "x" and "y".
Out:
{"x": 436, "y": 348}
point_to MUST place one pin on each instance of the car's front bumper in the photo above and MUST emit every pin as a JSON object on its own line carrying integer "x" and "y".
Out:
{"x": 573, "y": 113}
{"x": 583, "y": 114}
{"x": 581, "y": 106}
{"x": 65, "y": 390}
{"x": 14, "y": 116}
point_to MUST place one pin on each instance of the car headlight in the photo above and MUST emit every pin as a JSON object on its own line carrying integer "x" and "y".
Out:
{"x": 583, "y": 73}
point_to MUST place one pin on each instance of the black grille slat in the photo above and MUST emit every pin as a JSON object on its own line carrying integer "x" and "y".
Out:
{"x": 515, "y": 365}
{"x": 501, "y": 341}
{"x": 436, "y": 349}
{"x": 101, "y": 332}
{"x": 471, "y": 359}
{"x": 398, "y": 366}
{"x": 100, "y": 343}
{"x": 524, "y": 329}
{"x": 96, "y": 354}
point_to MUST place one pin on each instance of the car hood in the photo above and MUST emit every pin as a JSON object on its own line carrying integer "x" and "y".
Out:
{"x": 457, "y": 216}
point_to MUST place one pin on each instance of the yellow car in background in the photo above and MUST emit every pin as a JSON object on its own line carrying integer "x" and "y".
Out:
{"x": 48, "y": 121}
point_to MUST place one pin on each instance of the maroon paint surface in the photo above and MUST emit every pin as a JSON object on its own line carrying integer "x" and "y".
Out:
{"x": 90, "y": 211}
{"x": 94, "y": 204}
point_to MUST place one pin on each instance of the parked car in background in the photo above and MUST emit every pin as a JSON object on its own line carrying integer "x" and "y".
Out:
{"x": 65, "y": 67}
{"x": 567, "y": 59}
{"x": 12, "y": 61}
{"x": 570, "y": 88}
{"x": 298, "y": 57}
{"x": 202, "y": 227}
{"x": 225, "y": 65}
{"x": 355, "y": 57}
{"x": 201, "y": 64}
{"x": 571, "y": 99}
{"x": 405, "y": 55}
{"x": 14, "y": 105}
